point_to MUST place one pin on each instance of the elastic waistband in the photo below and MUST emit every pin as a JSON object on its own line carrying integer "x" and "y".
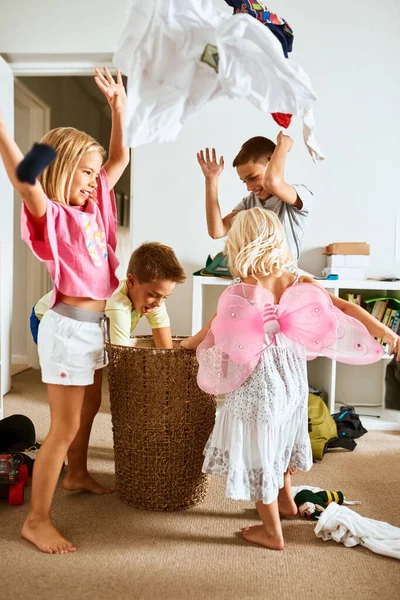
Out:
{"x": 78, "y": 314}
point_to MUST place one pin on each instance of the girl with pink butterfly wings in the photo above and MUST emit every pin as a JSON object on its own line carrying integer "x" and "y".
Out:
{"x": 255, "y": 351}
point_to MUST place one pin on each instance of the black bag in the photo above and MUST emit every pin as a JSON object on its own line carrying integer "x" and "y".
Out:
{"x": 392, "y": 380}
{"x": 349, "y": 427}
{"x": 17, "y": 430}
{"x": 17, "y": 434}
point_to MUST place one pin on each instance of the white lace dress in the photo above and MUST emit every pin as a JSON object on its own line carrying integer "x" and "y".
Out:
{"x": 262, "y": 429}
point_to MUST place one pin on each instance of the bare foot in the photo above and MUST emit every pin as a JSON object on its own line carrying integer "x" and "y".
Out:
{"x": 84, "y": 483}
{"x": 287, "y": 507}
{"x": 45, "y": 536}
{"x": 257, "y": 535}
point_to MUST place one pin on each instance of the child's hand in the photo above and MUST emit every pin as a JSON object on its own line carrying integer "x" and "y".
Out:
{"x": 284, "y": 141}
{"x": 188, "y": 343}
{"x": 211, "y": 167}
{"x": 392, "y": 340}
{"x": 113, "y": 91}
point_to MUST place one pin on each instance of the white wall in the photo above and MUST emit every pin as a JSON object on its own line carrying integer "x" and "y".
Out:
{"x": 49, "y": 27}
{"x": 351, "y": 54}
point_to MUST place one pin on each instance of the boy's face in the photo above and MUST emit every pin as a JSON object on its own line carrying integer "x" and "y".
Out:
{"x": 145, "y": 297}
{"x": 252, "y": 174}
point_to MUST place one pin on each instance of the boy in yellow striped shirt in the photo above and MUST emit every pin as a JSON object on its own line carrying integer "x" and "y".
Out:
{"x": 152, "y": 275}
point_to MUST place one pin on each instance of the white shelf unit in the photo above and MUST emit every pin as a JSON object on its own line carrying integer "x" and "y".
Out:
{"x": 362, "y": 387}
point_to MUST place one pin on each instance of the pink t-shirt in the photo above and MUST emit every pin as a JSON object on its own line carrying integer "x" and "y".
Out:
{"x": 77, "y": 244}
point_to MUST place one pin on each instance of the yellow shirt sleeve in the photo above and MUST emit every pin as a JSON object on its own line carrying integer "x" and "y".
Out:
{"x": 42, "y": 305}
{"x": 158, "y": 317}
{"x": 118, "y": 310}
{"x": 120, "y": 326}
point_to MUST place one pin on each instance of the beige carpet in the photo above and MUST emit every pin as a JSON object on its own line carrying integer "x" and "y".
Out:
{"x": 195, "y": 555}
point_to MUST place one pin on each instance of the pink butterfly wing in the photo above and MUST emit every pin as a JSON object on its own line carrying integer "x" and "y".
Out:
{"x": 231, "y": 349}
{"x": 238, "y": 329}
{"x": 306, "y": 317}
{"x": 353, "y": 345}
{"x": 218, "y": 374}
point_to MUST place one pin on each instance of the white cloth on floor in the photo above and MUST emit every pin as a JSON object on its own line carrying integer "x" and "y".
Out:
{"x": 160, "y": 50}
{"x": 341, "y": 524}
{"x": 297, "y": 488}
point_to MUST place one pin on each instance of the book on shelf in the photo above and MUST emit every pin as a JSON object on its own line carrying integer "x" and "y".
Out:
{"x": 379, "y": 308}
{"x": 396, "y": 322}
{"x": 354, "y": 298}
{"x": 393, "y": 313}
{"x": 386, "y": 316}
{"x": 386, "y": 310}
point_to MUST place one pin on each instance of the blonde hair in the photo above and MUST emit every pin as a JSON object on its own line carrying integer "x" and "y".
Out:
{"x": 256, "y": 244}
{"x": 70, "y": 145}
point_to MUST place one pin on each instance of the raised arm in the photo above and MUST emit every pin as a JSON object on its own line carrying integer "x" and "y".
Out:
{"x": 274, "y": 178}
{"x": 118, "y": 155}
{"x": 217, "y": 226}
{"x": 33, "y": 196}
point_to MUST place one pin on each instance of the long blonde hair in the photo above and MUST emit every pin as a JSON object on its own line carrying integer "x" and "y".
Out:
{"x": 70, "y": 145}
{"x": 256, "y": 244}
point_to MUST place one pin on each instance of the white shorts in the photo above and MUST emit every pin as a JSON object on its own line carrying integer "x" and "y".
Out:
{"x": 71, "y": 345}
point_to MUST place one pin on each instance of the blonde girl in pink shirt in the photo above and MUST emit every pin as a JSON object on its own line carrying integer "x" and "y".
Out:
{"x": 69, "y": 221}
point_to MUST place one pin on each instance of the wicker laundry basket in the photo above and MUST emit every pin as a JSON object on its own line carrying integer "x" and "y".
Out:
{"x": 161, "y": 423}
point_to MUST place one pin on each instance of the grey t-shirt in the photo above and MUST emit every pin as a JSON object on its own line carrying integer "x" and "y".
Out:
{"x": 294, "y": 219}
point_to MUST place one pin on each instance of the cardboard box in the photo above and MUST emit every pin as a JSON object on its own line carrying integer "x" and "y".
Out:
{"x": 360, "y": 248}
{"x": 334, "y": 261}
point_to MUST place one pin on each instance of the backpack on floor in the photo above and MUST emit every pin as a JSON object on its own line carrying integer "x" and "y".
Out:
{"x": 348, "y": 426}
{"x": 321, "y": 426}
{"x": 18, "y": 437}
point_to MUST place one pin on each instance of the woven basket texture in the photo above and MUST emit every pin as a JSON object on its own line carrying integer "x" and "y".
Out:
{"x": 161, "y": 423}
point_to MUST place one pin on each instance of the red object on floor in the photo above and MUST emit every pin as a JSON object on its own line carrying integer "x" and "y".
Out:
{"x": 23, "y": 474}
{"x": 282, "y": 119}
{"x": 16, "y": 493}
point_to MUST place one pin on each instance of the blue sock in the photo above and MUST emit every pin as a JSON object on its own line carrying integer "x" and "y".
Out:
{"x": 37, "y": 159}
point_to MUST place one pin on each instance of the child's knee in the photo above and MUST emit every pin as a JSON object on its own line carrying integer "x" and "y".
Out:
{"x": 65, "y": 433}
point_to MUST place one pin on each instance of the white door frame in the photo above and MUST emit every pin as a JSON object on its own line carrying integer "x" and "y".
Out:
{"x": 6, "y": 239}
{"x": 37, "y": 279}
{"x": 33, "y": 66}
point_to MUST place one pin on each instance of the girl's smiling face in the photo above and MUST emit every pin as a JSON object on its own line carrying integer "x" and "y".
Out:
{"x": 84, "y": 182}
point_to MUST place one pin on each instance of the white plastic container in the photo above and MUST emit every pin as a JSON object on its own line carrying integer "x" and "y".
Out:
{"x": 347, "y": 260}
